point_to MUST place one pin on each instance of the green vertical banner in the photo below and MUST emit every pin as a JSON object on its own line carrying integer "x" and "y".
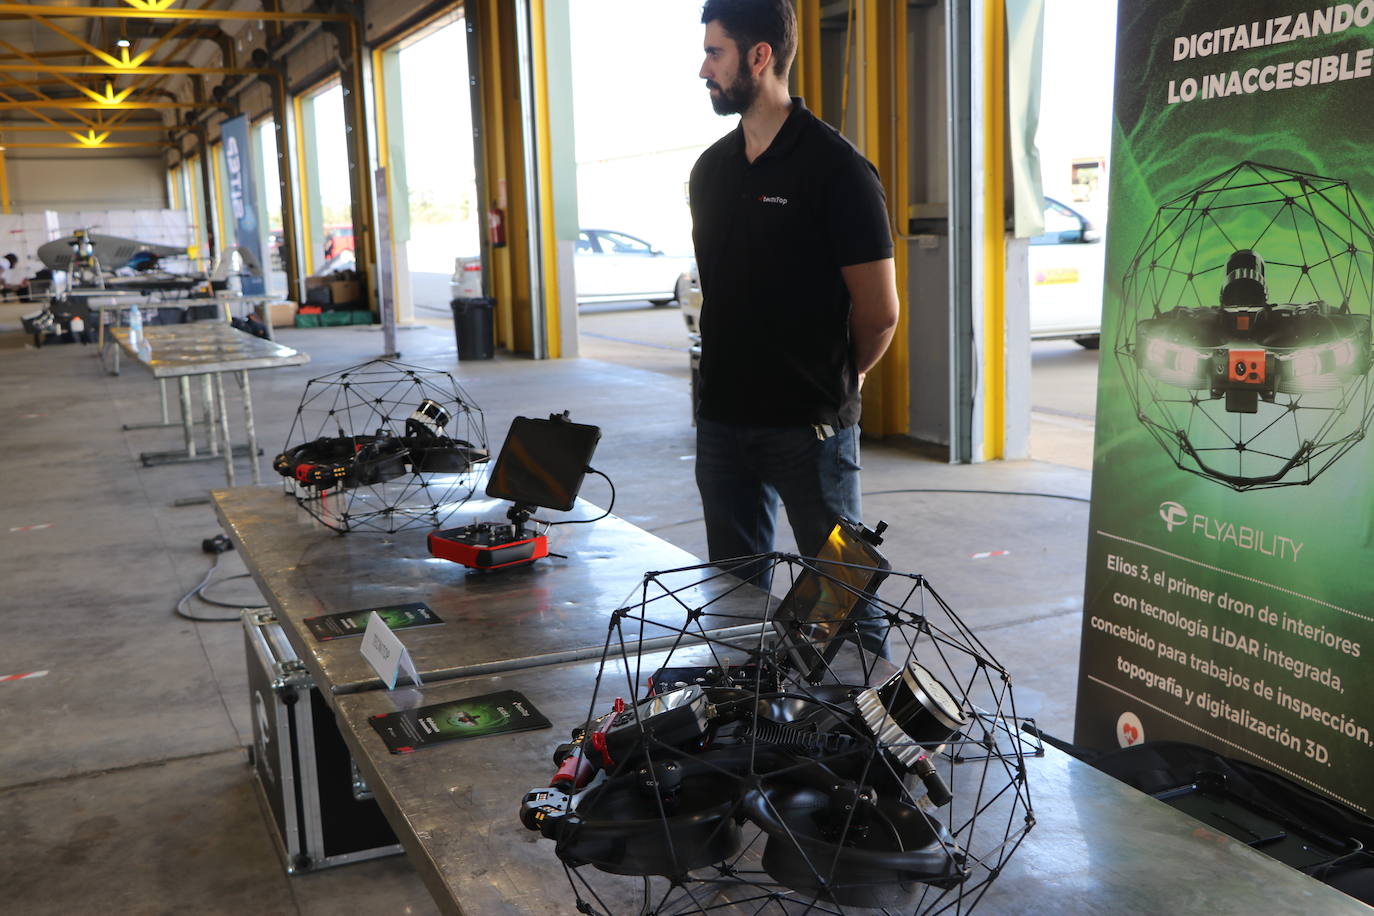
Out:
{"x": 1230, "y": 582}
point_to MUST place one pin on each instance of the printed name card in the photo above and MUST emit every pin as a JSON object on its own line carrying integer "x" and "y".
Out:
{"x": 385, "y": 652}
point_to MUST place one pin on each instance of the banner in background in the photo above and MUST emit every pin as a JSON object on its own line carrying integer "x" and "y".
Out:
{"x": 238, "y": 168}
{"x": 1229, "y": 598}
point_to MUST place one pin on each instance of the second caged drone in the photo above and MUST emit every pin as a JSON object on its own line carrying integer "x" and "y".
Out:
{"x": 353, "y": 460}
{"x": 803, "y": 775}
{"x": 350, "y": 461}
{"x": 383, "y": 447}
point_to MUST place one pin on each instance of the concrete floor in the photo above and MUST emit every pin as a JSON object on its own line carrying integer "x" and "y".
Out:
{"x": 124, "y": 786}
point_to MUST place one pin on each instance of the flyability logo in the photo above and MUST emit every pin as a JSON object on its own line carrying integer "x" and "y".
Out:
{"x": 1173, "y": 514}
{"x": 1242, "y": 537}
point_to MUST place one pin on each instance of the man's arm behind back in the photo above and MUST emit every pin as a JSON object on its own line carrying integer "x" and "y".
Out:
{"x": 874, "y": 309}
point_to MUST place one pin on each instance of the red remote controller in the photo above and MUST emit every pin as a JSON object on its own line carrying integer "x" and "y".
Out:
{"x": 487, "y": 545}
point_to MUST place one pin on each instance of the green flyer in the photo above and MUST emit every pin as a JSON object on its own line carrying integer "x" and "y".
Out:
{"x": 457, "y": 720}
{"x": 1228, "y": 597}
{"x": 354, "y": 623}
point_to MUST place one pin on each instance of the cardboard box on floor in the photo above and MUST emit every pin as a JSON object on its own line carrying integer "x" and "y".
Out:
{"x": 345, "y": 292}
{"x": 282, "y": 314}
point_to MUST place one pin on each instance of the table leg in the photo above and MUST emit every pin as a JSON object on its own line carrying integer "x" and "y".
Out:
{"x": 224, "y": 429}
{"x": 162, "y": 397}
{"x": 250, "y": 427}
{"x": 208, "y": 394}
{"x": 188, "y": 418}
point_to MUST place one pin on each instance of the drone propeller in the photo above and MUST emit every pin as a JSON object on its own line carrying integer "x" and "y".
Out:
{"x": 847, "y": 845}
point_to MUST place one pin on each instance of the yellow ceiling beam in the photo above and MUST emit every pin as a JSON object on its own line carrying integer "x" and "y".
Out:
{"x": 62, "y": 53}
{"x": 107, "y": 144}
{"x": 54, "y": 125}
{"x": 145, "y": 70}
{"x": 123, "y": 61}
{"x": 33, "y": 111}
{"x": 126, "y": 63}
{"x": 35, "y": 86}
{"x": 24, "y": 11}
{"x": 89, "y": 93}
{"x": 102, "y": 105}
{"x": 149, "y": 83}
{"x": 147, "y": 126}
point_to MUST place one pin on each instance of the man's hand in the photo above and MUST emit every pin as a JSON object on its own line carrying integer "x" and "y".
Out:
{"x": 875, "y": 307}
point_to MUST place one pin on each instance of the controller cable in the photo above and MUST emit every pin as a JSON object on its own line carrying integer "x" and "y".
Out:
{"x": 588, "y": 521}
{"x": 217, "y": 545}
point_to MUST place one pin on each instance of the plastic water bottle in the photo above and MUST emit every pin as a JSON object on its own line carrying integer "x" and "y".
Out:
{"x": 135, "y": 325}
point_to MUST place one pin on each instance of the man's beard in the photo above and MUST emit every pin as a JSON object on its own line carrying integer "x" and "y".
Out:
{"x": 739, "y": 97}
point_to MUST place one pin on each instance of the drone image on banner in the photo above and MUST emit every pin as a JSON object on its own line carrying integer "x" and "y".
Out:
{"x": 1245, "y": 343}
{"x": 792, "y": 770}
{"x": 383, "y": 447}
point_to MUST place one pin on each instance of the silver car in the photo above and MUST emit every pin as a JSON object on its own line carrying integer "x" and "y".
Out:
{"x": 614, "y": 266}
{"x": 1066, "y": 278}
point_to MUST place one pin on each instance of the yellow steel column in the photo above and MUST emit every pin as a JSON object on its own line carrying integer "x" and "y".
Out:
{"x": 896, "y": 372}
{"x": 383, "y": 154}
{"x": 303, "y": 182}
{"x": 281, "y": 118}
{"x": 808, "y": 66}
{"x": 882, "y": 81}
{"x": 174, "y": 187}
{"x": 548, "y": 242}
{"x": 220, "y": 208}
{"x": 994, "y": 230}
{"x": 4, "y": 183}
{"x": 492, "y": 125}
{"x": 379, "y": 109}
{"x": 361, "y": 213}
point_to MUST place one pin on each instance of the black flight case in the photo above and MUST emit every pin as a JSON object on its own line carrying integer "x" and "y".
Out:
{"x": 321, "y": 809}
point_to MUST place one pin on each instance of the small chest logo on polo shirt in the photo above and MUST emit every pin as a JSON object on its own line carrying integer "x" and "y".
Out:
{"x": 766, "y": 199}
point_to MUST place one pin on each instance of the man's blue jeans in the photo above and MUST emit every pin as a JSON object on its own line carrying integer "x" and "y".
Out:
{"x": 744, "y": 471}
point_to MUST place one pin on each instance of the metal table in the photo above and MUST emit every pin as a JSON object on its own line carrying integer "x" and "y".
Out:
{"x": 1098, "y": 846}
{"x": 551, "y": 611}
{"x": 118, "y": 302}
{"x": 207, "y": 349}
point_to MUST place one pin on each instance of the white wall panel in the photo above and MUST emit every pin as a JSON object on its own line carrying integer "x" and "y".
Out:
{"x": 96, "y": 183}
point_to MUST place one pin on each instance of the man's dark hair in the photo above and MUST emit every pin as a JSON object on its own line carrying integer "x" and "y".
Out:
{"x": 12, "y": 258}
{"x": 749, "y": 22}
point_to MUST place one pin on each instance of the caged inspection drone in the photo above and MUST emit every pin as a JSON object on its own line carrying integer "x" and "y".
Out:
{"x": 811, "y": 776}
{"x": 383, "y": 446}
{"x": 1245, "y": 343}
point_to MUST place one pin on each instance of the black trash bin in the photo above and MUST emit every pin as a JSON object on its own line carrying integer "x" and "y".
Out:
{"x": 472, "y": 325}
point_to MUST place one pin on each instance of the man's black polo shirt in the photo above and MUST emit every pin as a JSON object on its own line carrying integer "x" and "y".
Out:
{"x": 771, "y": 237}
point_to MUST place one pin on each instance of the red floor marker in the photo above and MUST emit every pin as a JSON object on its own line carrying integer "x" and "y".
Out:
{"x": 990, "y": 553}
{"x": 21, "y": 677}
{"x": 31, "y": 527}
